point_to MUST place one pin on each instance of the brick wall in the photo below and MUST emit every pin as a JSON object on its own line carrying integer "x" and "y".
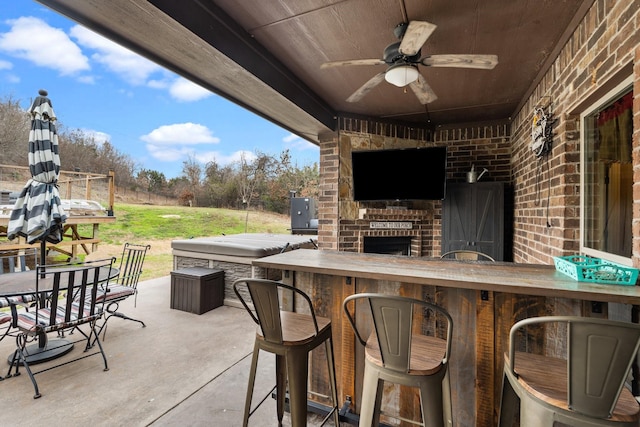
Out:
{"x": 483, "y": 146}
{"x": 547, "y": 192}
{"x": 339, "y": 224}
{"x": 328, "y": 192}
{"x": 353, "y": 232}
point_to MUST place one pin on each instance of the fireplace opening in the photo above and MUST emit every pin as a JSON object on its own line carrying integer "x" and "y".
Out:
{"x": 388, "y": 245}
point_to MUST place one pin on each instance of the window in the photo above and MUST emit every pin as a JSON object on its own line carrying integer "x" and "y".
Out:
{"x": 607, "y": 176}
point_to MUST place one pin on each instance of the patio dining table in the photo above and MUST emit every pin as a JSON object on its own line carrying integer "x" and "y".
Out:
{"x": 24, "y": 283}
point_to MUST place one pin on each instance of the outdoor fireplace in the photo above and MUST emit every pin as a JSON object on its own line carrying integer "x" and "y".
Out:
{"x": 391, "y": 245}
{"x": 407, "y": 232}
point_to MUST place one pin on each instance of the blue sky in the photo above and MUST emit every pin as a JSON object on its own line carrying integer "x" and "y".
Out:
{"x": 110, "y": 93}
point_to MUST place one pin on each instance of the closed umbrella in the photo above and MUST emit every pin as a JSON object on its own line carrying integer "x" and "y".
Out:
{"x": 38, "y": 214}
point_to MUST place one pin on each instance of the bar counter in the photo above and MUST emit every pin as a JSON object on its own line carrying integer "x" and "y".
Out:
{"x": 483, "y": 298}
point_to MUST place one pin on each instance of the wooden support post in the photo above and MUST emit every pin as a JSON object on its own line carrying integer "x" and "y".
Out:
{"x": 87, "y": 192}
{"x": 287, "y": 297}
{"x": 485, "y": 355}
{"x": 635, "y": 367}
{"x": 111, "y": 179}
{"x": 95, "y": 236}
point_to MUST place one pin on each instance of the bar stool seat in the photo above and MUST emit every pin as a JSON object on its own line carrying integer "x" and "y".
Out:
{"x": 585, "y": 389}
{"x": 291, "y": 336}
{"x": 394, "y": 353}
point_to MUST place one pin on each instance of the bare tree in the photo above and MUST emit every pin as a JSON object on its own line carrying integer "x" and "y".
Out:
{"x": 219, "y": 185}
{"x": 192, "y": 170}
{"x": 112, "y": 159}
{"x": 15, "y": 124}
{"x": 251, "y": 176}
{"x": 80, "y": 151}
{"x": 303, "y": 181}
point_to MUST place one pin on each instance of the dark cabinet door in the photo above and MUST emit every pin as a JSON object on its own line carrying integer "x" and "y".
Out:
{"x": 473, "y": 218}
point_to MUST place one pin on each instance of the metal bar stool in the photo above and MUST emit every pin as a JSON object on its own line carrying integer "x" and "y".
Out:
{"x": 394, "y": 352}
{"x": 584, "y": 387}
{"x": 291, "y": 337}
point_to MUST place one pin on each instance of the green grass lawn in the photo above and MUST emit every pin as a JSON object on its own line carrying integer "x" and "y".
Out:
{"x": 159, "y": 225}
{"x": 177, "y": 222}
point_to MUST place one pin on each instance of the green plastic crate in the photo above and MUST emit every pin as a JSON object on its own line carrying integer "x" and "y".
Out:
{"x": 595, "y": 270}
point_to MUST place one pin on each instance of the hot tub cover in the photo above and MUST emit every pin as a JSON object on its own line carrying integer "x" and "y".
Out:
{"x": 250, "y": 245}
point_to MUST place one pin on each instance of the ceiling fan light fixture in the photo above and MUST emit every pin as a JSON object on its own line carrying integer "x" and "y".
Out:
{"x": 401, "y": 75}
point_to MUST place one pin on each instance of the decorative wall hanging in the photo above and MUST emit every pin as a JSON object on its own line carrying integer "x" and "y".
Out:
{"x": 541, "y": 131}
{"x": 541, "y": 143}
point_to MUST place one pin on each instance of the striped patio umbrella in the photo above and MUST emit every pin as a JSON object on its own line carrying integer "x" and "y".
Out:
{"x": 37, "y": 214}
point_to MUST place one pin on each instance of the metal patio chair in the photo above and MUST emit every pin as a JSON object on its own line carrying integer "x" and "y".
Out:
{"x": 395, "y": 353}
{"x": 14, "y": 261}
{"x": 291, "y": 336}
{"x": 126, "y": 284}
{"x": 5, "y": 317}
{"x": 585, "y": 389}
{"x": 56, "y": 309}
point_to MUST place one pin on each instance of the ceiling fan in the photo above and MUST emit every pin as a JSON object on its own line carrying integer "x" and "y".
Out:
{"x": 403, "y": 59}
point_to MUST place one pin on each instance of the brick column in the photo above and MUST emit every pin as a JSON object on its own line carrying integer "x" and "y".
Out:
{"x": 328, "y": 192}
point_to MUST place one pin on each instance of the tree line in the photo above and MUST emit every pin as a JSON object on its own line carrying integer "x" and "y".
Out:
{"x": 260, "y": 181}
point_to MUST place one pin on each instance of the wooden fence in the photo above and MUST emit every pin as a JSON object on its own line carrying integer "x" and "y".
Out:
{"x": 87, "y": 194}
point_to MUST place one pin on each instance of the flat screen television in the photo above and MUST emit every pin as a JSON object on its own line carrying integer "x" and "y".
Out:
{"x": 403, "y": 174}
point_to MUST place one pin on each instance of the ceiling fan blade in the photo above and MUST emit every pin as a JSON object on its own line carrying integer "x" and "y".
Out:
{"x": 423, "y": 91}
{"x": 365, "y": 88}
{"x": 416, "y": 35}
{"x": 486, "y": 62}
{"x": 353, "y": 62}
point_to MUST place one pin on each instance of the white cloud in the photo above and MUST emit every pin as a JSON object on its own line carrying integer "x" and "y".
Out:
{"x": 34, "y": 40}
{"x": 168, "y": 154}
{"x": 125, "y": 92}
{"x": 180, "y": 134}
{"x": 164, "y": 153}
{"x": 130, "y": 66}
{"x": 98, "y": 137}
{"x": 12, "y": 78}
{"x": 222, "y": 159}
{"x": 158, "y": 84}
{"x": 295, "y": 142}
{"x": 186, "y": 91}
{"x": 177, "y": 142}
{"x": 87, "y": 79}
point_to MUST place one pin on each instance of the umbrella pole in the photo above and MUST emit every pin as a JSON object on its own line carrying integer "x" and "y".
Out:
{"x": 43, "y": 254}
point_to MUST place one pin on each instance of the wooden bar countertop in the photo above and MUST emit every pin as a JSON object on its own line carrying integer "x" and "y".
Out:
{"x": 527, "y": 279}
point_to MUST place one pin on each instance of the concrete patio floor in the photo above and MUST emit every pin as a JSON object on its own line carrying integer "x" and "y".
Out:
{"x": 182, "y": 369}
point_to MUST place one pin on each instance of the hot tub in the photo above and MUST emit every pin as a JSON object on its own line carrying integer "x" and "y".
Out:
{"x": 234, "y": 254}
